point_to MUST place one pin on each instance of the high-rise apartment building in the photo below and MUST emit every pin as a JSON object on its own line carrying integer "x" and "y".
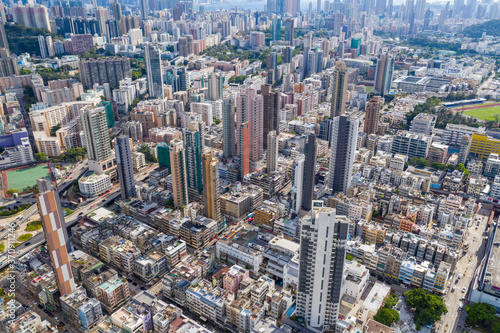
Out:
{"x": 31, "y": 16}
{"x": 272, "y": 103}
{"x": 272, "y": 152}
{"x": 343, "y": 149}
{"x": 250, "y": 108}
{"x": 43, "y": 47}
{"x": 95, "y": 129}
{"x": 372, "y": 115}
{"x": 211, "y": 186}
{"x": 54, "y": 228}
{"x": 215, "y": 86}
{"x": 152, "y": 57}
{"x": 323, "y": 239}
{"x": 178, "y": 170}
{"x": 143, "y": 6}
{"x": 117, "y": 10}
{"x": 298, "y": 183}
{"x": 309, "y": 171}
{"x": 289, "y": 30}
{"x": 104, "y": 70}
{"x": 339, "y": 89}
{"x": 228, "y": 127}
{"x": 383, "y": 74}
{"x": 125, "y": 167}
{"x": 243, "y": 148}
{"x": 193, "y": 150}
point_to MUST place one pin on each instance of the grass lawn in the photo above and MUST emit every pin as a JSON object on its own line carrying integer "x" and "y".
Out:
{"x": 22, "y": 178}
{"x": 486, "y": 113}
{"x": 368, "y": 89}
{"x": 68, "y": 211}
{"x": 32, "y": 226}
{"x": 2, "y": 247}
{"x": 24, "y": 237}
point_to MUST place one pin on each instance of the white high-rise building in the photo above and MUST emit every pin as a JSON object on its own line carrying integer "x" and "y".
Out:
{"x": 298, "y": 182}
{"x": 344, "y": 138}
{"x": 323, "y": 239}
{"x": 50, "y": 46}
{"x": 272, "y": 152}
{"x": 43, "y": 47}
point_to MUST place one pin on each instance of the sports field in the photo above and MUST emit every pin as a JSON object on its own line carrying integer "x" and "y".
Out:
{"x": 483, "y": 112}
{"x": 21, "y": 178}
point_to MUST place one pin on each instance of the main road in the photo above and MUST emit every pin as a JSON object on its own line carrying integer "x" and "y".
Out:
{"x": 454, "y": 320}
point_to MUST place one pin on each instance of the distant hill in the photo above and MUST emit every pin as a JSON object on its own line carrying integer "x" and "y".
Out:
{"x": 492, "y": 28}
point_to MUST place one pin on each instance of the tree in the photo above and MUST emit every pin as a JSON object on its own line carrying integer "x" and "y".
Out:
{"x": 439, "y": 166}
{"x": 419, "y": 162}
{"x": 480, "y": 313}
{"x": 12, "y": 191}
{"x": 40, "y": 157}
{"x": 54, "y": 129}
{"x": 147, "y": 153}
{"x": 386, "y": 316}
{"x": 217, "y": 121}
{"x": 428, "y": 307}
{"x": 349, "y": 257}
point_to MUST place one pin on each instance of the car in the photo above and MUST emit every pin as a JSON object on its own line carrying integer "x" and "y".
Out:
{"x": 463, "y": 290}
{"x": 129, "y": 280}
{"x": 459, "y": 276}
{"x": 477, "y": 223}
{"x": 477, "y": 227}
{"x": 103, "y": 200}
{"x": 134, "y": 283}
{"x": 46, "y": 311}
{"x": 27, "y": 243}
{"x": 40, "y": 306}
{"x": 453, "y": 289}
{"x": 461, "y": 306}
{"x": 143, "y": 288}
{"x": 61, "y": 323}
{"x": 56, "y": 318}
{"x": 59, "y": 327}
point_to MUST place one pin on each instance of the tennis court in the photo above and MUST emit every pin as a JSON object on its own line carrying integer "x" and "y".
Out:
{"x": 21, "y": 178}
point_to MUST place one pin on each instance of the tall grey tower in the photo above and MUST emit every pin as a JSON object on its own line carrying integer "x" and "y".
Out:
{"x": 309, "y": 172}
{"x": 272, "y": 152}
{"x": 228, "y": 106}
{"x": 344, "y": 138}
{"x": 124, "y": 166}
{"x": 323, "y": 239}
{"x": 152, "y": 56}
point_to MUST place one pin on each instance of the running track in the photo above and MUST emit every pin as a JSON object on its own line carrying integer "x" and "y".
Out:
{"x": 477, "y": 107}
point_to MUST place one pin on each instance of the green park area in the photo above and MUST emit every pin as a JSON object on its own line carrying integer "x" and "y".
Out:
{"x": 33, "y": 226}
{"x": 23, "y": 178}
{"x": 485, "y": 113}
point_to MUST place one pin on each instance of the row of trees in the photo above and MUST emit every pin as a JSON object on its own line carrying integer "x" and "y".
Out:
{"x": 483, "y": 314}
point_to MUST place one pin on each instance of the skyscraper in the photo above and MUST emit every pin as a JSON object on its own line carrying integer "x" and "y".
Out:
{"x": 243, "y": 148}
{"x": 228, "y": 126}
{"x": 250, "y": 108}
{"x": 104, "y": 70}
{"x": 117, "y": 10}
{"x": 372, "y": 115}
{"x": 4, "y": 43}
{"x": 383, "y": 74}
{"x": 309, "y": 171}
{"x": 339, "y": 89}
{"x": 272, "y": 103}
{"x": 298, "y": 183}
{"x": 307, "y": 48}
{"x": 272, "y": 152}
{"x": 143, "y": 6}
{"x": 211, "y": 186}
{"x": 43, "y": 47}
{"x": 124, "y": 167}
{"x": 323, "y": 239}
{"x": 178, "y": 171}
{"x": 193, "y": 149}
{"x": 344, "y": 139}
{"x": 95, "y": 129}
{"x": 318, "y": 6}
{"x": 56, "y": 234}
{"x": 289, "y": 30}
{"x": 215, "y": 86}
{"x": 152, "y": 56}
